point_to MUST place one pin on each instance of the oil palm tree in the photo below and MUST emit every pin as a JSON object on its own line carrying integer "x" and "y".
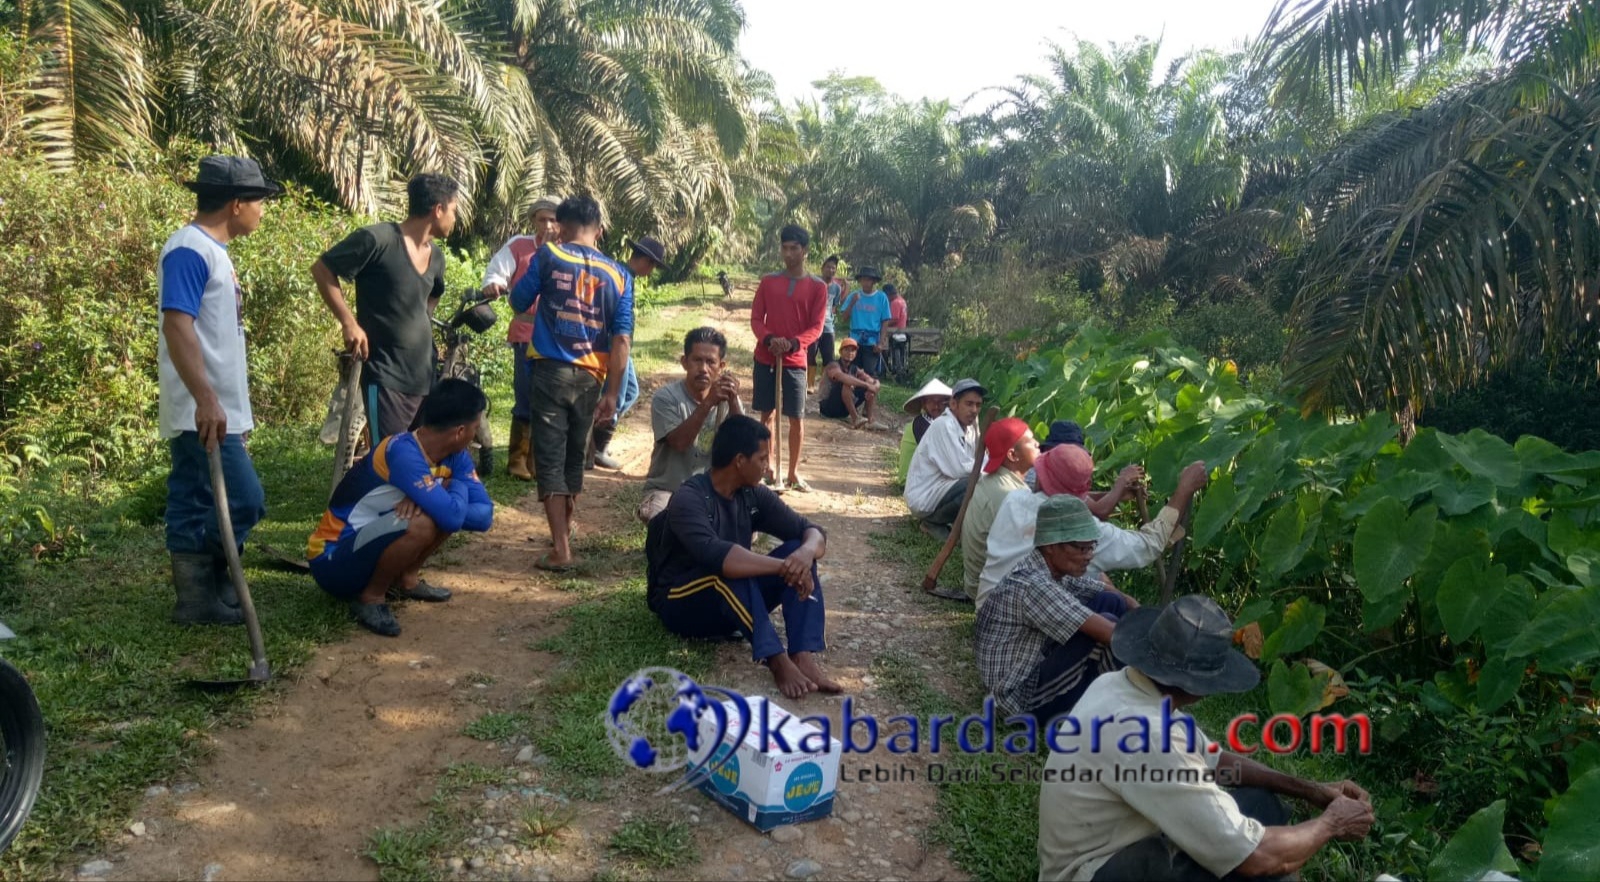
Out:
{"x": 638, "y": 100}
{"x": 1457, "y": 237}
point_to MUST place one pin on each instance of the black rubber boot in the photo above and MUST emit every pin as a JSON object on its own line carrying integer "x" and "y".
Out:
{"x": 602, "y": 439}
{"x": 223, "y": 580}
{"x": 194, "y": 579}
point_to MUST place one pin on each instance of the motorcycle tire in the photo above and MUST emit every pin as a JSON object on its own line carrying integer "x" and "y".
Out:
{"x": 485, "y": 451}
{"x": 22, "y": 727}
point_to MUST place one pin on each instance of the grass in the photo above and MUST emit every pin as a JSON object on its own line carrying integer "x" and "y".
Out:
{"x": 655, "y": 842}
{"x": 108, "y": 668}
{"x": 496, "y": 726}
{"x": 542, "y": 826}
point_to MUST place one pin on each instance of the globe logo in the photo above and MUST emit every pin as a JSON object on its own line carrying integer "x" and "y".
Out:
{"x": 654, "y": 723}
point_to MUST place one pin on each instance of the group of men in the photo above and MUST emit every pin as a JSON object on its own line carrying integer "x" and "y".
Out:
{"x": 1055, "y": 639}
{"x": 417, "y": 484}
{"x": 1053, "y": 635}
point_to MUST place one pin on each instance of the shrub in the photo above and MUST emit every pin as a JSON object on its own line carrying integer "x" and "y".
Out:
{"x": 78, "y": 341}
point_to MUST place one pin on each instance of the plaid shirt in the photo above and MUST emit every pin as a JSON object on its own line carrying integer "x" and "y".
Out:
{"x": 1028, "y": 613}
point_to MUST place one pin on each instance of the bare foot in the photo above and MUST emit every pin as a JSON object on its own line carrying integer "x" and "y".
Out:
{"x": 791, "y": 681}
{"x": 807, "y": 664}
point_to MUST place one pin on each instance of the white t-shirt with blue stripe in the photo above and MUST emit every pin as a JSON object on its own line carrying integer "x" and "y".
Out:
{"x": 195, "y": 277}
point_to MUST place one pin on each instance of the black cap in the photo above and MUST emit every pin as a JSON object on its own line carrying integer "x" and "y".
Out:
{"x": 650, "y": 248}
{"x": 869, "y": 272}
{"x": 233, "y": 176}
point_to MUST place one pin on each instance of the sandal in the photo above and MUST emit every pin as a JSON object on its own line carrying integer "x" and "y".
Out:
{"x": 858, "y": 422}
{"x": 423, "y": 591}
{"x": 798, "y": 485}
{"x": 949, "y": 594}
{"x": 544, "y": 563}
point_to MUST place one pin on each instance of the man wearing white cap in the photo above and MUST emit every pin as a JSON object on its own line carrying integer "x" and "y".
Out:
{"x": 505, "y": 269}
{"x": 937, "y": 480}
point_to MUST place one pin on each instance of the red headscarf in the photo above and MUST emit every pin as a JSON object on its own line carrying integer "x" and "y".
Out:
{"x": 1064, "y": 469}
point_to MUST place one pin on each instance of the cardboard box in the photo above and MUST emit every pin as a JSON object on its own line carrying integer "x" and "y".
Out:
{"x": 770, "y": 787}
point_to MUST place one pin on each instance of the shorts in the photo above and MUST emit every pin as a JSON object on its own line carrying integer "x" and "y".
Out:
{"x": 563, "y": 401}
{"x": 823, "y": 347}
{"x": 837, "y": 411}
{"x": 389, "y": 412}
{"x": 794, "y": 390}
{"x": 345, "y": 567}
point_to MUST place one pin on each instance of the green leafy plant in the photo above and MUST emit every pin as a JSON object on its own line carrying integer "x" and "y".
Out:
{"x": 1464, "y": 565}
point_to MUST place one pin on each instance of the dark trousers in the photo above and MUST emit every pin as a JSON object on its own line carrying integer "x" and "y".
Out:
{"x": 1158, "y": 860}
{"x": 1068, "y": 668}
{"x": 191, "y": 507}
{"x": 521, "y": 383}
{"x": 944, "y": 514}
{"x": 563, "y": 401}
{"x": 715, "y": 606}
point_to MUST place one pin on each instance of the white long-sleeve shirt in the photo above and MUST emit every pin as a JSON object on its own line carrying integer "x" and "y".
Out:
{"x": 943, "y": 460}
{"x": 1011, "y": 538}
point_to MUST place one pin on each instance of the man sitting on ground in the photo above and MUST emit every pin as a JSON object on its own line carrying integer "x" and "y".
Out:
{"x": 685, "y": 417}
{"x": 1012, "y": 450}
{"x": 845, "y": 374}
{"x": 928, "y": 404}
{"x": 397, "y": 505}
{"x": 937, "y": 480}
{"x": 704, "y": 581}
{"x": 1065, "y": 470}
{"x": 1162, "y": 813}
{"x": 1042, "y": 635}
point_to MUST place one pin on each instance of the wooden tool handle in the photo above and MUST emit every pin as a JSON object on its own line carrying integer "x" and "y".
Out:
{"x": 932, "y": 578}
{"x": 219, "y": 492}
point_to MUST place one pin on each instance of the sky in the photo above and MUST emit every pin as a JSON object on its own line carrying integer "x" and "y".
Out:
{"x": 939, "y": 49}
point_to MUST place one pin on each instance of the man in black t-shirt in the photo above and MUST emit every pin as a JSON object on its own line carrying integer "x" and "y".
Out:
{"x": 704, "y": 581}
{"x": 399, "y": 276}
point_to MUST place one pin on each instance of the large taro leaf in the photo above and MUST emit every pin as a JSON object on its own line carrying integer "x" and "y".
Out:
{"x": 1302, "y": 622}
{"x": 1217, "y": 505}
{"x": 1478, "y": 847}
{"x": 1541, "y": 457}
{"x": 1457, "y": 496}
{"x": 1469, "y": 590}
{"x": 1507, "y": 616}
{"x": 1498, "y": 680}
{"x": 1484, "y": 455}
{"x": 1404, "y": 485}
{"x": 1292, "y": 689}
{"x": 1452, "y": 541}
{"x": 1572, "y": 844}
{"x": 1389, "y": 545}
{"x": 1562, "y": 634}
{"x": 1280, "y": 547}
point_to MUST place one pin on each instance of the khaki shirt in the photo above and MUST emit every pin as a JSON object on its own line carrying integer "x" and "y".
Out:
{"x": 987, "y": 496}
{"x": 1129, "y": 796}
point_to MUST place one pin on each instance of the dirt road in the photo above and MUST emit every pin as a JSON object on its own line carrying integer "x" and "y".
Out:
{"x": 361, "y": 738}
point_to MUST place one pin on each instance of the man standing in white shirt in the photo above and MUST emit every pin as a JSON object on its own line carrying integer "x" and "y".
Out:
{"x": 936, "y": 482}
{"x": 204, "y": 384}
{"x": 1180, "y": 808}
{"x": 504, "y": 271}
{"x": 1063, "y": 470}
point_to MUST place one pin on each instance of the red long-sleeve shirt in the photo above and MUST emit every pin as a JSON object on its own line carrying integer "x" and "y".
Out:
{"x": 790, "y": 308}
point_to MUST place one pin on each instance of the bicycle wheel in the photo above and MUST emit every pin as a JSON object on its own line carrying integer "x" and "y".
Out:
{"x": 22, "y": 728}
